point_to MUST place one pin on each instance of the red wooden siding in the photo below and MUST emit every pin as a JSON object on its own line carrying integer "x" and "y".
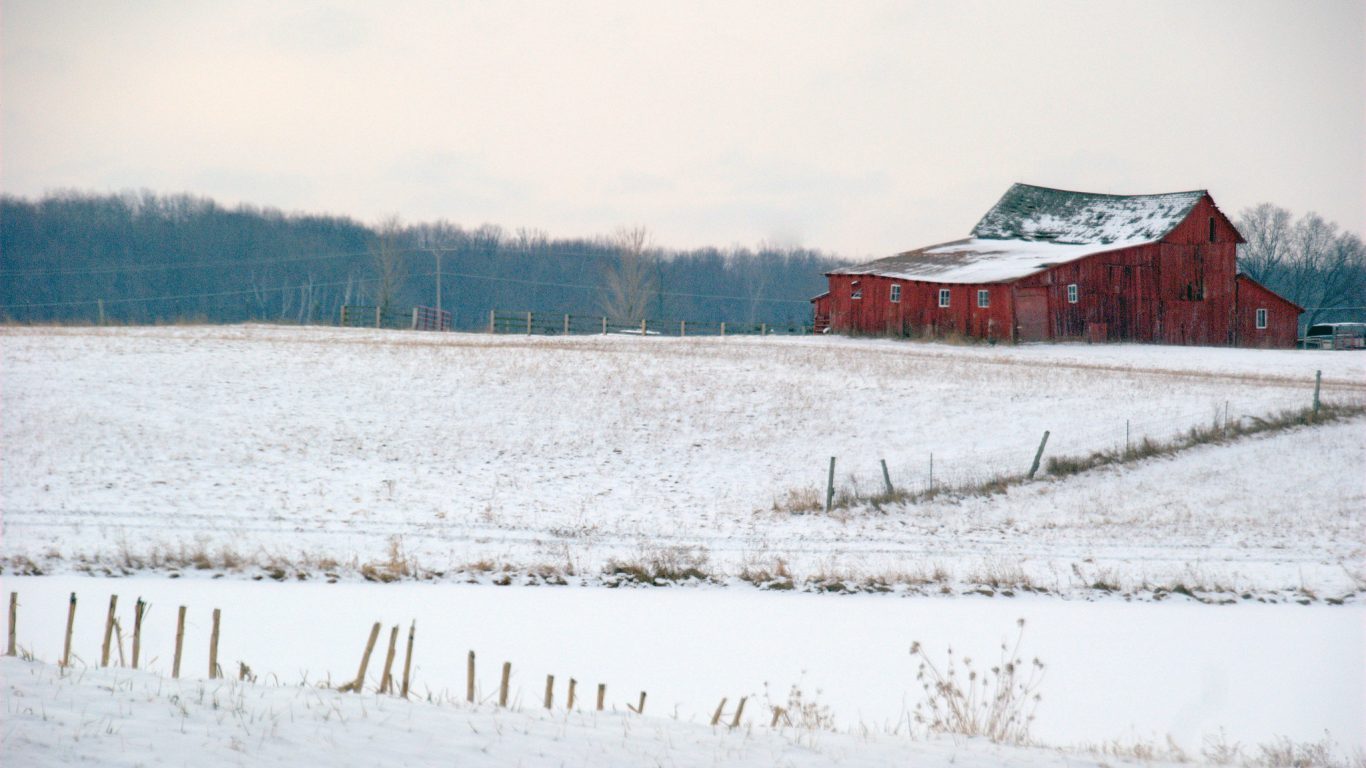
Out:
{"x": 1179, "y": 290}
{"x": 1283, "y": 317}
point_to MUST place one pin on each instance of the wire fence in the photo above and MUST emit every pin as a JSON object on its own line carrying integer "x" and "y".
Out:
{"x": 558, "y": 324}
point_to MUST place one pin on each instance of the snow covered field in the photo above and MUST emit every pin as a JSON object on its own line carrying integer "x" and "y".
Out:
{"x": 274, "y": 450}
{"x": 316, "y": 455}
{"x": 1132, "y": 672}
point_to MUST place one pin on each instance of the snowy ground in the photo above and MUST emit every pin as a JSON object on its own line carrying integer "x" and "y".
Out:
{"x": 267, "y": 450}
{"x": 1114, "y": 671}
{"x": 126, "y": 718}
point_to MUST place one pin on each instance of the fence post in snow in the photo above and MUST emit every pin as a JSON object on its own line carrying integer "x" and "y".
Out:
{"x": 549, "y": 691}
{"x": 379, "y": 316}
{"x": 639, "y": 709}
{"x": 70, "y": 620}
{"x": 644, "y": 327}
{"x": 739, "y": 710}
{"x": 566, "y": 325}
{"x": 408, "y": 659}
{"x": 13, "y": 615}
{"x": 469, "y": 678}
{"x": 493, "y": 328}
{"x": 386, "y": 679}
{"x": 572, "y": 685}
{"x": 720, "y": 708}
{"x": 213, "y": 645}
{"x": 139, "y": 609}
{"x": 830, "y": 486}
{"x": 604, "y": 325}
{"x": 1038, "y": 455}
{"x": 528, "y": 323}
{"x": 723, "y": 329}
{"x": 1318, "y": 380}
{"x": 179, "y": 642}
{"x": 682, "y": 328}
{"x": 108, "y": 631}
{"x": 602, "y": 694}
{"x": 503, "y": 686}
{"x": 358, "y": 684}
{"x": 886, "y": 478}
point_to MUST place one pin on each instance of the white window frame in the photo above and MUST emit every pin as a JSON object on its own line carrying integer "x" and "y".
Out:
{"x": 855, "y": 290}
{"x": 895, "y": 296}
{"x": 1261, "y": 318}
{"x": 1072, "y": 293}
{"x": 983, "y": 298}
{"x": 944, "y": 297}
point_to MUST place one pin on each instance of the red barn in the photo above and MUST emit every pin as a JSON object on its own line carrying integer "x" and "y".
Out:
{"x": 1047, "y": 264}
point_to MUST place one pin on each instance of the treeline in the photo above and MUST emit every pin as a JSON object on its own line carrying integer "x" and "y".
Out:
{"x": 143, "y": 258}
{"x": 1307, "y": 260}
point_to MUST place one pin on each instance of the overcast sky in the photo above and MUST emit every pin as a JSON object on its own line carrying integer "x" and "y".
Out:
{"x": 857, "y": 127}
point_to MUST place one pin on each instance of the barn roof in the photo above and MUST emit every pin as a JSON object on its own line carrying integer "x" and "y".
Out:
{"x": 1034, "y": 228}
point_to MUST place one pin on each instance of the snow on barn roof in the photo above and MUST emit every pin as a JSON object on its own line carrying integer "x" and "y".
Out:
{"x": 1033, "y": 228}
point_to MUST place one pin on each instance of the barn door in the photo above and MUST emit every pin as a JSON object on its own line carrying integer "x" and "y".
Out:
{"x": 1128, "y": 287}
{"x": 1031, "y": 314}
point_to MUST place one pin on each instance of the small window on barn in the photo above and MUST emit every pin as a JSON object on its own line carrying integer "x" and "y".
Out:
{"x": 855, "y": 290}
{"x": 1261, "y": 319}
{"x": 1211, "y": 229}
{"x": 1072, "y": 293}
{"x": 943, "y": 297}
{"x": 983, "y": 298}
{"x": 896, "y": 293}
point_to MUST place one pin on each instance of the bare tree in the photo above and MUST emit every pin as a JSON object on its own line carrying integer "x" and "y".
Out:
{"x": 630, "y": 283}
{"x": 1309, "y": 262}
{"x": 388, "y": 257}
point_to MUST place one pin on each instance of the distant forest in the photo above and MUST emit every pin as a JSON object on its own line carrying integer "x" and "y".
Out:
{"x": 145, "y": 258}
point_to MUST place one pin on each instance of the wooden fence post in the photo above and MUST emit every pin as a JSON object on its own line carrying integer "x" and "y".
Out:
{"x": 566, "y": 325}
{"x": 720, "y": 708}
{"x": 108, "y": 631}
{"x": 602, "y": 694}
{"x": 386, "y": 680}
{"x": 1038, "y": 455}
{"x": 503, "y": 686}
{"x": 379, "y": 317}
{"x": 549, "y": 691}
{"x": 777, "y": 713}
{"x": 739, "y": 711}
{"x": 1318, "y": 380}
{"x": 643, "y": 327}
{"x": 493, "y": 327}
{"x": 763, "y": 329}
{"x": 639, "y": 709}
{"x": 70, "y": 621}
{"x": 408, "y": 659}
{"x": 528, "y": 323}
{"x": 830, "y": 487}
{"x": 682, "y": 328}
{"x": 723, "y": 329}
{"x": 604, "y": 326}
{"x": 572, "y": 685}
{"x": 139, "y": 609}
{"x": 179, "y": 642}
{"x": 469, "y": 678}
{"x": 886, "y": 478}
{"x": 358, "y": 685}
{"x": 13, "y": 616}
{"x": 213, "y": 645}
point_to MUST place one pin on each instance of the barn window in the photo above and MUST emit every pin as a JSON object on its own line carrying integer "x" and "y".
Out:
{"x": 1261, "y": 319}
{"x": 1072, "y": 293}
{"x": 896, "y": 293}
{"x": 983, "y": 297}
{"x": 943, "y": 297}
{"x": 1211, "y": 229}
{"x": 855, "y": 290}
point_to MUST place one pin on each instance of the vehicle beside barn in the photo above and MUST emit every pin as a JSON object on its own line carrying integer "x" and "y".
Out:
{"x": 1050, "y": 265}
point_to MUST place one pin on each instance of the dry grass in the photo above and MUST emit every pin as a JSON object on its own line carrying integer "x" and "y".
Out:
{"x": 996, "y": 703}
{"x": 660, "y": 567}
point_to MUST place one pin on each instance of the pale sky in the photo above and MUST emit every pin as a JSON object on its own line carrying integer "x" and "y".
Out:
{"x": 860, "y": 128}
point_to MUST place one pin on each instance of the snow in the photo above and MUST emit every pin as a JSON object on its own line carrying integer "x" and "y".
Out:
{"x": 977, "y": 260}
{"x": 1189, "y": 671}
{"x": 126, "y": 718}
{"x": 479, "y": 455}
{"x": 1027, "y": 212}
{"x": 1034, "y": 228}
